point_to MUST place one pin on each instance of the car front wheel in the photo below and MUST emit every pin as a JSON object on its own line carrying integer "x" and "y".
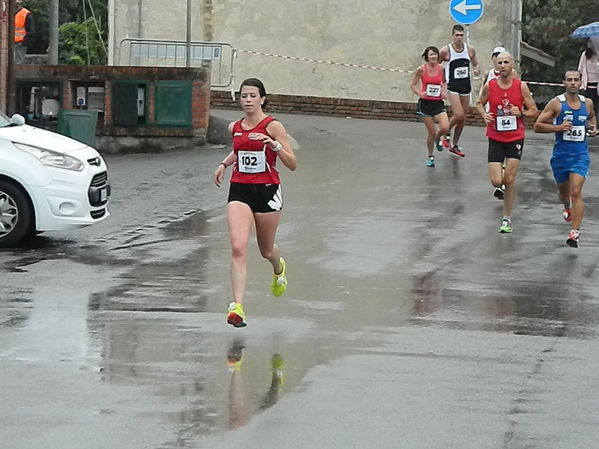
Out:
{"x": 15, "y": 215}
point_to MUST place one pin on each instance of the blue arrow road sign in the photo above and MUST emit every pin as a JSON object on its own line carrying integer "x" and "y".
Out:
{"x": 466, "y": 11}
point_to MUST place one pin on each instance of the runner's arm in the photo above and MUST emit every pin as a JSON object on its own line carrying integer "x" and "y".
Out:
{"x": 485, "y": 78}
{"x": 481, "y": 102}
{"x": 443, "y": 85}
{"x": 474, "y": 61}
{"x": 444, "y": 54}
{"x": 279, "y": 134}
{"x": 592, "y": 119}
{"x": 415, "y": 79}
{"x": 530, "y": 107}
{"x": 544, "y": 123}
{"x": 219, "y": 173}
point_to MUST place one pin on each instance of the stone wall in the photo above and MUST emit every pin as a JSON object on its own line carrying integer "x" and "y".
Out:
{"x": 382, "y": 33}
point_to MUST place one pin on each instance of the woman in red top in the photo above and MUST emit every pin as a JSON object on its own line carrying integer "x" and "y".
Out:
{"x": 255, "y": 196}
{"x": 433, "y": 89}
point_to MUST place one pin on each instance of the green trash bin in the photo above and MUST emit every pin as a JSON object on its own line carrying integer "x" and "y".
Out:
{"x": 79, "y": 124}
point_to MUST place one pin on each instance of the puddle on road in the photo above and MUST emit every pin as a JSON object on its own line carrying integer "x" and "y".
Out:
{"x": 161, "y": 325}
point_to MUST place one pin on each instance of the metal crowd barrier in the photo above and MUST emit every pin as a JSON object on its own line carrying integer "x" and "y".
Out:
{"x": 166, "y": 53}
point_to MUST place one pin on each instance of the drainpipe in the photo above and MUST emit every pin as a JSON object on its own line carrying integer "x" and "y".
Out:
{"x": 188, "y": 36}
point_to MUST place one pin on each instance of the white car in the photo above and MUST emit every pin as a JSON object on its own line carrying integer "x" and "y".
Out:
{"x": 48, "y": 182}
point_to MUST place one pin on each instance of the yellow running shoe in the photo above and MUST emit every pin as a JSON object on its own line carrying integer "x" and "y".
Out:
{"x": 235, "y": 315}
{"x": 278, "y": 368}
{"x": 279, "y": 281}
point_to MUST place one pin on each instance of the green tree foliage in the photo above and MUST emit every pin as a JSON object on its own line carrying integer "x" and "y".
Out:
{"x": 79, "y": 44}
{"x": 71, "y": 12}
{"x": 546, "y": 24}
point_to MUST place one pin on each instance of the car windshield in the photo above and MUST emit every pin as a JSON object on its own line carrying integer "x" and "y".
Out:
{"x": 4, "y": 120}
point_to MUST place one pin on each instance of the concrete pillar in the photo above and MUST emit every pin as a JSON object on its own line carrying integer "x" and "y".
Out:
{"x": 53, "y": 23}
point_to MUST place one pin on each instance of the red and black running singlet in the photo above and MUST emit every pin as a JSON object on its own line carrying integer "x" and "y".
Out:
{"x": 505, "y": 127}
{"x": 255, "y": 160}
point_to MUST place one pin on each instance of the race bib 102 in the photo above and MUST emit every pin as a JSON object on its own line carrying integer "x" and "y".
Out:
{"x": 251, "y": 161}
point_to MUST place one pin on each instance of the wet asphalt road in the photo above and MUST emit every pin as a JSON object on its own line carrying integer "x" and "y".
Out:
{"x": 408, "y": 322}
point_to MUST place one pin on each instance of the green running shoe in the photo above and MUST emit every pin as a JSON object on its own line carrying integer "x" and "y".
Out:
{"x": 278, "y": 367}
{"x": 279, "y": 281}
{"x": 235, "y": 315}
{"x": 506, "y": 226}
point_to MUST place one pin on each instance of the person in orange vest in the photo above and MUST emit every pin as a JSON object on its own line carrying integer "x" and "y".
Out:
{"x": 23, "y": 31}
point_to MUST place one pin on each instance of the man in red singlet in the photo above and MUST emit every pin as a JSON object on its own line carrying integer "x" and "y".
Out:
{"x": 509, "y": 100}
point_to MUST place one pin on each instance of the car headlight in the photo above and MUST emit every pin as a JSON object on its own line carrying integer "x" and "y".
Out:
{"x": 52, "y": 158}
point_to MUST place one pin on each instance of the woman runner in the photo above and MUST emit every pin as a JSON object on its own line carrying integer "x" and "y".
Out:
{"x": 255, "y": 196}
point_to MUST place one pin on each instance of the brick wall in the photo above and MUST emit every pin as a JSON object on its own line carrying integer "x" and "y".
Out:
{"x": 342, "y": 107}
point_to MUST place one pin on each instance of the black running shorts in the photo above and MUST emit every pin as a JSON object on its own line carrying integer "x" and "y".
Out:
{"x": 430, "y": 108}
{"x": 461, "y": 89}
{"x": 260, "y": 197}
{"x": 498, "y": 151}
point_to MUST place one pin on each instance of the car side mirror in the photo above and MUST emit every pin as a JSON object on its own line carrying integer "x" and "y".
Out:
{"x": 18, "y": 119}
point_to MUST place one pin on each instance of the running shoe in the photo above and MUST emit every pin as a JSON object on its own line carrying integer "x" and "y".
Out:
{"x": 278, "y": 367}
{"x": 567, "y": 214}
{"x": 506, "y": 226}
{"x": 430, "y": 162}
{"x": 499, "y": 193}
{"x": 457, "y": 151}
{"x": 445, "y": 142}
{"x": 235, "y": 355}
{"x": 438, "y": 145}
{"x": 235, "y": 315}
{"x": 573, "y": 238}
{"x": 279, "y": 281}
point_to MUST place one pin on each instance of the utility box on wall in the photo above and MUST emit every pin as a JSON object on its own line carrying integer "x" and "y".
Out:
{"x": 138, "y": 108}
{"x": 79, "y": 124}
{"x": 173, "y": 103}
{"x": 128, "y": 103}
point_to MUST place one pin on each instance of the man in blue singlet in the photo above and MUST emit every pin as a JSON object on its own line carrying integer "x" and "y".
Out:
{"x": 458, "y": 57}
{"x": 572, "y": 118}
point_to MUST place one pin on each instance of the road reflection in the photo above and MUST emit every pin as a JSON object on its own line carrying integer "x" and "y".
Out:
{"x": 238, "y": 400}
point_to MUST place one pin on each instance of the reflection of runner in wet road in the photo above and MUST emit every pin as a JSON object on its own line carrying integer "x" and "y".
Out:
{"x": 509, "y": 99}
{"x": 567, "y": 115}
{"x": 238, "y": 407}
{"x": 430, "y": 100}
{"x": 255, "y": 196}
